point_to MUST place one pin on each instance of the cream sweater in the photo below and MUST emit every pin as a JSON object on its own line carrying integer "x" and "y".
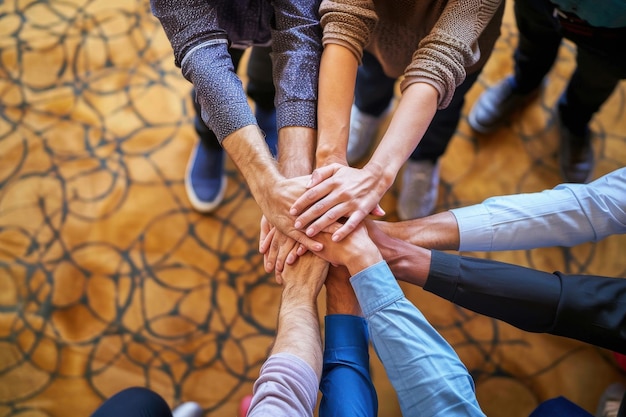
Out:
{"x": 433, "y": 41}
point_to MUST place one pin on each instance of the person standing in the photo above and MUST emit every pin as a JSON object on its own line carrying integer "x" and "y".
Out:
{"x": 599, "y": 33}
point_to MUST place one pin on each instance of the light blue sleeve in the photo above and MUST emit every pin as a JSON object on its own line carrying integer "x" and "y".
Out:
{"x": 566, "y": 215}
{"x": 424, "y": 369}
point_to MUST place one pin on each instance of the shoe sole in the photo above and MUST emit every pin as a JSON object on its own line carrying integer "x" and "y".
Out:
{"x": 196, "y": 203}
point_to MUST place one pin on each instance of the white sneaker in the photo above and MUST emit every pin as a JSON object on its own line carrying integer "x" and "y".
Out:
{"x": 363, "y": 130}
{"x": 188, "y": 409}
{"x": 420, "y": 188}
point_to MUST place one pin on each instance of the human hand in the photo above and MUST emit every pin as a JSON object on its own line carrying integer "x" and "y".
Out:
{"x": 275, "y": 201}
{"x": 277, "y": 248}
{"x": 337, "y": 191}
{"x": 306, "y": 276}
{"x": 356, "y": 252}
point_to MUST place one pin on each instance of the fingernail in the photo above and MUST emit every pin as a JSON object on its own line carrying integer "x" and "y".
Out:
{"x": 293, "y": 211}
{"x": 310, "y": 231}
{"x": 336, "y": 238}
{"x": 298, "y": 224}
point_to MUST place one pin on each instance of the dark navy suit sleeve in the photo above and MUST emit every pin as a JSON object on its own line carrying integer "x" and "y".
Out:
{"x": 346, "y": 386}
{"x": 589, "y": 308}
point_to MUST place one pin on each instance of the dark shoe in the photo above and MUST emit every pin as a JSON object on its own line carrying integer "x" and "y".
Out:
{"x": 205, "y": 181}
{"x": 575, "y": 155}
{"x": 495, "y": 106}
{"x": 266, "y": 118}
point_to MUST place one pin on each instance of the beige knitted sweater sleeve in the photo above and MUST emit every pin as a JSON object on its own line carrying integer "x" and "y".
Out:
{"x": 433, "y": 48}
{"x": 450, "y": 47}
{"x": 349, "y": 23}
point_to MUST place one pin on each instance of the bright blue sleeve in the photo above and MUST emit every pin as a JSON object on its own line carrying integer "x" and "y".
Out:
{"x": 423, "y": 368}
{"x": 346, "y": 369}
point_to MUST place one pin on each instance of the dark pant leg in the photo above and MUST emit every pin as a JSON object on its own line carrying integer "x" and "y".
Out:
{"x": 374, "y": 90}
{"x": 134, "y": 402}
{"x": 443, "y": 126}
{"x": 206, "y": 135}
{"x": 539, "y": 42}
{"x": 260, "y": 80}
{"x": 591, "y": 84}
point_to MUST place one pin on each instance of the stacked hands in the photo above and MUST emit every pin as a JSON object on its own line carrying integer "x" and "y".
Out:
{"x": 327, "y": 206}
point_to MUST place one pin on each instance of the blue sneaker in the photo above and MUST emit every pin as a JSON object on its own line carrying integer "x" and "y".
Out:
{"x": 266, "y": 118}
{"x": 205, "y": 180}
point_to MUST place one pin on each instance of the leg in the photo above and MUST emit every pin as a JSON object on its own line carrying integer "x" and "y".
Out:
{"x": 590, "y": 86}
{"x": 373, "y": 94}
{"x": 538, "y": 46}
{"x": 346, "y": 356}
{"x": 261, "y": 90}
{"x": 133, "y": 402}
{"x": 420, "y": 179}
{"x": 374, "y": 90}
{"x": 205, "y": 181}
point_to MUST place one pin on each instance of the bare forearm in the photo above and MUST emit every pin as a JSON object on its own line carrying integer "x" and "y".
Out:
{"x": 415, "y": 111}
{"x": 439, "y": 231}
{"x": 296, "y": 151}
{"x": 336, "y": 92}
{"x": 298, "y": 327}
{"x": 248, "y": 150}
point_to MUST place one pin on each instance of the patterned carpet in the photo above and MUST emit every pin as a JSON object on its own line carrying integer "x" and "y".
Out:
{"x": 109, "y": 279}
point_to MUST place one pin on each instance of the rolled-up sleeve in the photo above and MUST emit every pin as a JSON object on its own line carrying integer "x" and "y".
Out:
{"x": 348, "y": 23}
{"x": 451, "y": 47}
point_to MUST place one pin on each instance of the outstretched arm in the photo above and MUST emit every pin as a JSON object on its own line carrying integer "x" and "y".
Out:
{"x": 428, "y": 376}
{"x": 583, "y": 307}
{"x": 566, "y": 215}
{"x": 346, "y": 372}
{"x": 289, "y": 379}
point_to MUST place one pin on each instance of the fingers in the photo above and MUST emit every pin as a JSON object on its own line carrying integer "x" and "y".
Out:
{"x": 378, "y": 211}
{"x": 349, "y": 226}
{"x": 307, "y": 242}
{"x": 265, "y": 240}
{"x": 322, "y": 174}
{"x": 311, "y": 199}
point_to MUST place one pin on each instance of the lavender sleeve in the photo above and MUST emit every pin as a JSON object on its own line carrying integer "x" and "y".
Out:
{"x": 287, "y": 386}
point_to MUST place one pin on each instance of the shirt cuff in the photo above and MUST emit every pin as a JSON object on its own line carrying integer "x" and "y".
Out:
{"x": 443, "y": 276}
{"x": 475, "y": 231}
{"x": 344, "y": 330}
{"x": 375, "y": 288}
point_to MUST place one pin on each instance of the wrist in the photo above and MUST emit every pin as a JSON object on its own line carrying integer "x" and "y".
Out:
{"x": 362, "y": 260}
{"x": 385, "y": 174}
{"x": 296, "y": 147}
{"x": 326, "y": 155}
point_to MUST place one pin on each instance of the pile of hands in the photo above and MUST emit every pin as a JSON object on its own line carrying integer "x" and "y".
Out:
{"x": 322, "y": 213}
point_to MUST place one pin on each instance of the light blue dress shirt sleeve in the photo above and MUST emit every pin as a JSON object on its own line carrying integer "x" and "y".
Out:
{"x": 566, "y": 215}
{"x": 425, "y": 371}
